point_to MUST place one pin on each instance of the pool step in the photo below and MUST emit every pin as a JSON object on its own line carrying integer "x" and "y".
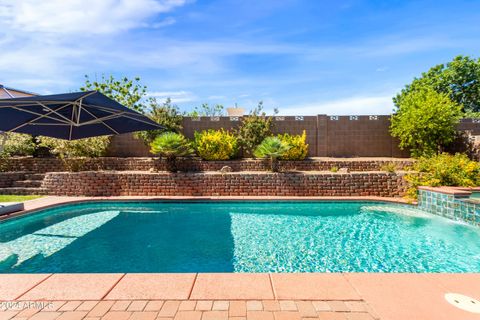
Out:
{"x": 23, "y": 191}
{"x": 31, "y": 184}
{"x": 27, "y": 183}
{"x": 35, "y": 176}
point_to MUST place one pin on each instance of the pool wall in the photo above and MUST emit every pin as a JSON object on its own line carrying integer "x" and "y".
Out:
{"x": 452, "y": 203}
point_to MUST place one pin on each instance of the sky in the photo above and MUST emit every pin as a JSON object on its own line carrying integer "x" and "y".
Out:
{"x": 304, "y": 57}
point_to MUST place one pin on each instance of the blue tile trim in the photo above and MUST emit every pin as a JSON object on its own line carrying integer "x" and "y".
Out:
{"x": 447, "y": 205}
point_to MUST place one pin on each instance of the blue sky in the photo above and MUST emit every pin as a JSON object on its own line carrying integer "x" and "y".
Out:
{"x": 301, "y": 56}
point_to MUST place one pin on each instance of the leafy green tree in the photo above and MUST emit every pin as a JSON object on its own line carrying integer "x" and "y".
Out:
{"x": 254, "y": 129}
{"x": 205, "y": 110}
{"x": 460, "y": 79}
{"x": 171, "y": 145}
{"x": 166, "y": 114}
{"x": 125, "y": 91}
{"x": 425, "y": 121}
{"x": 272, "y": 148}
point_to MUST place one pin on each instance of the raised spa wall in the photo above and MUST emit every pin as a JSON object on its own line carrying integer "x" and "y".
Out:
{"x": 450, "y": 202}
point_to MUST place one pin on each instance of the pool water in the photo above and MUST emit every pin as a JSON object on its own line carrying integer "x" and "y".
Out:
{"x": 237, "y": 237}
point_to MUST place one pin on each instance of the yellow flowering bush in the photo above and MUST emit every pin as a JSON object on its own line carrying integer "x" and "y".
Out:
{"x": 443, "y": 170}
{"x": 298, "y": 146}
{"x": 216, "y": 144}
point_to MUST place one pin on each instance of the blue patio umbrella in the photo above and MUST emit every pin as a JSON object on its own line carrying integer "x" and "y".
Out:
{"x": 70, "y": 116}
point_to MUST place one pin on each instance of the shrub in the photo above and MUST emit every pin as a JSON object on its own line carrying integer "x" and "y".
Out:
{"x": 389, "y": 167}
{"x": 273, "y": 148}
{"x": 89, "y": 147}
{"x": 166, "y": 114}
{"x": 425, "y": 121}
{"x": 216, "y": 144}
{"x": 443, "y": 170}
{"x": 298, "y": 146}
{"x": 254, "y": 129}
{"x": 17, "y": 144}
{"x": 171, "y": 145}
{"x": 334, "y": 169}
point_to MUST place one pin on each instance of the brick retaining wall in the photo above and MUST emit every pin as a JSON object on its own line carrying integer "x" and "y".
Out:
{"x": 43, "y": 165}
{"x": 108, "y": 183}
{"x": 7, "y": 178}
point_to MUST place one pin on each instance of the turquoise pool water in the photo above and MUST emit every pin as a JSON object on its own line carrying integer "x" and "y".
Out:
{"x": 237, "y": 237}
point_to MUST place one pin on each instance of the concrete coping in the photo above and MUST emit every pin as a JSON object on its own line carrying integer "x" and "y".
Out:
{"x": 460, "y": 192}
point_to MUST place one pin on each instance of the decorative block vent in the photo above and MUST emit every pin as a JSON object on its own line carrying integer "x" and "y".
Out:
{"x": 334, "y": 118}
{"x": 353, "y": 118}
{"x": 214, "y": 118}
{"x": 372, "y": 117}
{"x": 279, "y": 118}
{"x": 298, "y": 118}
{"x": 234, "y": 118}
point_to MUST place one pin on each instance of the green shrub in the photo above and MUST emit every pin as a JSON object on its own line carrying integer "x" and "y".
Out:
{"x": 216, "y": 144}
{"x": 254, "y": 129}
{"x": 389, "y": 167}
{"x": 17, "y": 144}
{"x": 443, "y": 170}
{"x": 298, "y": 146}
{"x": 273, "y": 148}
{"x": 171, "y": 145}
{"x": 334, "y": 169}
{"x": 425, "y": 121}
{"x": 89, "y": 147}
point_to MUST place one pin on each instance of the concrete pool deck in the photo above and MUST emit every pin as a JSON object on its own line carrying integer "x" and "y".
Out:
{"x": 190, "y": 296}
{"x": 352, "y": 296}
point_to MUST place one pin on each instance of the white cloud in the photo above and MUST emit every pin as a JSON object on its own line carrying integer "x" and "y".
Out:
{"x": 360, "y": 105}
{"x": 175, "y": 96}
{"x": 81, "y": 16}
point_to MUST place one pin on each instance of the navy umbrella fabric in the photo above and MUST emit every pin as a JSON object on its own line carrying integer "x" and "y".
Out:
{"x": 70, "y": 116}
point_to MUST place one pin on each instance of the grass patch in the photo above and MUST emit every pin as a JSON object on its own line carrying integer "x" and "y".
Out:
{"x": 13, "y": 198}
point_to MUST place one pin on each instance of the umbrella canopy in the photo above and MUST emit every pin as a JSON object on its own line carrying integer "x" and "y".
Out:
{"x": 70, "y": 116}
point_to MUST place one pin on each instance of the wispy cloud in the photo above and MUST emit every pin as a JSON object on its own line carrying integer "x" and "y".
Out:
{"x": 360, "y": 105}
{"x": 81, "y": 16}
{"x": 175, "y": 96}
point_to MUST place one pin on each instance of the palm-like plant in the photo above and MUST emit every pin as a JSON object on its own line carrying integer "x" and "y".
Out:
{"x": 273, "y": 148}
{"x": 171, "y": 145}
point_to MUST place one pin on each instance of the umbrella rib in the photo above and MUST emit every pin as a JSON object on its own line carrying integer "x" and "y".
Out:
{"x": 101, "y": 119}
{"x": 33, "y": 120}
{"x": 71, "y": 123}
{"x": 106, "y": 125}
{"x": 55, "y": 111}
{"x": 38, "y": 114}
{"x": 143, "y": 121}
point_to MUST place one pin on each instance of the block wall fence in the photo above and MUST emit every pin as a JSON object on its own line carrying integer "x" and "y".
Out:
{"x": 327, "y": 136}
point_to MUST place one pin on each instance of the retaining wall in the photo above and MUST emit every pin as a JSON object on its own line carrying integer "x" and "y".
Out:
{"x": 43, "y": 165}
{"x": 224, "y": 184}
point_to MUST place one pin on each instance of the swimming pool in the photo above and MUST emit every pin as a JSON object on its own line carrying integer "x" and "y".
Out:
{"x": 237, "y": 237}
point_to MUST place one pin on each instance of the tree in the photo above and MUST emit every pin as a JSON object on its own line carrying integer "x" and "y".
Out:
{"x": 166, "y": 114}
{"x": 425, "y": 121}
{"x": 205, "y": 110}
{"x": 254, "y": 129}
{"x": 125, "y": 91}
{"x": 459, "y": 79}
